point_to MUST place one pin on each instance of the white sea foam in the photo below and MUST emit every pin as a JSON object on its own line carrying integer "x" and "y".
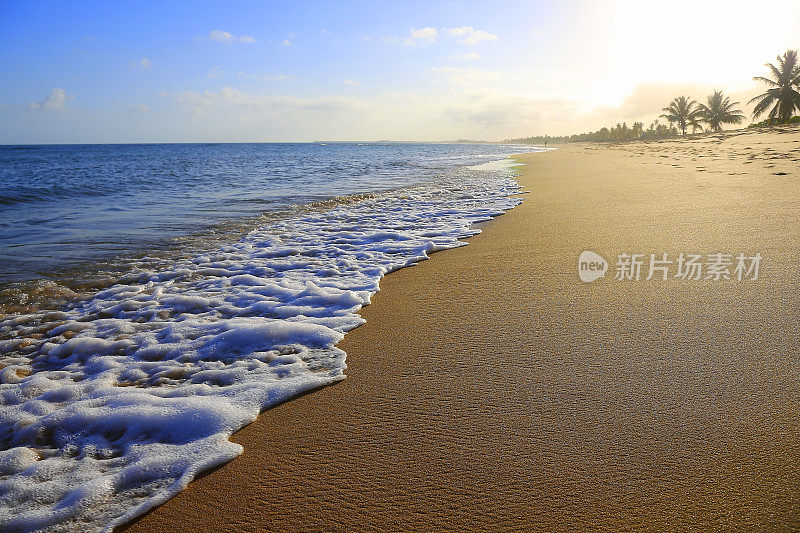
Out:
{"x": 113, "y": 405}
{"x": 500, "y": 164}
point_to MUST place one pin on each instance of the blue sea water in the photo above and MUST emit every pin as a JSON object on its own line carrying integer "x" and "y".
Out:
{"x": 115, "y": 397}
{"x": 63, "y": 206}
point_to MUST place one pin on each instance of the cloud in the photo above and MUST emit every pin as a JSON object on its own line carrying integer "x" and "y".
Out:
{"x": 350, "y": 83}
{"x": 288, "y": 40}
{"x": 221, "y": 36}
{"x": 464, "y": 34}
{"x": 267, "y": 107}
{"x": 648, "y": 99}
{"x": 54, "y": 101}
{"x": 415, "y": 36}
{"x": 143, "y": 64}
{"x": 141, "y": 108}
{"x": 215, "y": 72}
{"x": 469, "y": 35}
{"x": 469, "y": 108}
{"x": 226, "y": 37}
{"x": 266, "y": 76}
{"x": 462, "y": 57}
{"x": 468, "y": 76}
{"x": 424, "y": 34}
{"x": 499, "y": 115}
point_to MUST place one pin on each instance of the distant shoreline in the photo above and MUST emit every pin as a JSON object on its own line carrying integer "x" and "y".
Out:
{"x": 507, "y": 142}
{"x": 145, "y": 143}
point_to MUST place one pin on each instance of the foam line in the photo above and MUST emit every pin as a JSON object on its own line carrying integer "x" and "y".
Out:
{"x": 113, "y": 405}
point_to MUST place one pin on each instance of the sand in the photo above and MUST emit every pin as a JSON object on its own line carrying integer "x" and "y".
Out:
{"x": 491, "y": 389}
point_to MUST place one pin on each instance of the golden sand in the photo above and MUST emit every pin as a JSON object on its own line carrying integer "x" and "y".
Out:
{"x": 491, "y": 389}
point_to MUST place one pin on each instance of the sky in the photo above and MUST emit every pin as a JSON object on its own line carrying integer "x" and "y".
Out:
{"x": 246, "y": 71}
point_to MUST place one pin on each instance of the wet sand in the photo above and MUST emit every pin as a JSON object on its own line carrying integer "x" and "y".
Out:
{"x": 491, "y": 389}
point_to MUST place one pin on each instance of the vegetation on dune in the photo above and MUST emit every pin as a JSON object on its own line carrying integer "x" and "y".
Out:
{"x": 618, "y": 133}
{"x": 768, "y": 122}
{"x": 683, "y": 113}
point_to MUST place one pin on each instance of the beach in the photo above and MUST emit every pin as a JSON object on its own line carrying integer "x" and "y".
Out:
{"x": 491, "y": 389}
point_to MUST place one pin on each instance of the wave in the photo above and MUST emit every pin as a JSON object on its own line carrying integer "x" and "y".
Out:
{"x": 27, "y": 195}
{"x": 113, "y": 404}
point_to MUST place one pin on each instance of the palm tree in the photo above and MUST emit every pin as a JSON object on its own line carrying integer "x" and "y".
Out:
{"x": 781, "y": 93}
{"x": 683, "y": 111}
{"x": 720, "y": 110}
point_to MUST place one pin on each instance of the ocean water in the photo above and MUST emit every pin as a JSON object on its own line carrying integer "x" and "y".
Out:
{"x": 66, "y": 206}
{"x": 112, "y": 401}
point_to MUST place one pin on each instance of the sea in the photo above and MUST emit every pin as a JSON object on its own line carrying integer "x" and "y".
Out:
{"x": 156, "y": 298}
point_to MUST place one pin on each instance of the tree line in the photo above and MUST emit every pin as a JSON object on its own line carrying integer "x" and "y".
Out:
{"x": 780, "y": 102}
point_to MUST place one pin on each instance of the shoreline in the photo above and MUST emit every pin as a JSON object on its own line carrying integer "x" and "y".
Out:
{"x": 490, "y": 389}
{"x": 155, "y": 373}
{"x": 44, "y": 265}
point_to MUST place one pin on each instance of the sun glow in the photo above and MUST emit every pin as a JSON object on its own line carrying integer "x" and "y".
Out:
{"x": 722, "y": 44}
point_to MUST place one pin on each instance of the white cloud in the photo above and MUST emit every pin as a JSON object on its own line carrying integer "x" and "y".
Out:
{"x": 266, "y": 106}
{"x": 471, "y": 77}
{"x": 477, "y": 104}
{"x": 266, "y": 76}
{"x": 469, "y": 35}
{"x": 227, "y": 37}
{"x": 54, "y": 101}
{"x": 497, "y": 115}
{"x": 141, "y": 108}
{"x": 221, "y": 36}
{"x": 143, "y": 64}
{"x": 462, "y": 57}
{"x": 350, "y": 83}
{"x": 459, "y": 32}
{"x": 288, "y": 40}
{"x": 416, "y": 35}
{"x": 646, "y": 100}
{"x": 424, "y": 34}
{"x": 464, "y": 34}
{"x": 215, "y": 72}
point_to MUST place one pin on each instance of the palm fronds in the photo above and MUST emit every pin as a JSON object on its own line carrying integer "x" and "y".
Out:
{"x": 682, "y": 111}
{"x": 719, "y": 110}
{"x": 782, "y": 95}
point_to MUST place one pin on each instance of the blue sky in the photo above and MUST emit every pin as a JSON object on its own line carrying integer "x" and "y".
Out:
{"x": 300, "y": 71}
